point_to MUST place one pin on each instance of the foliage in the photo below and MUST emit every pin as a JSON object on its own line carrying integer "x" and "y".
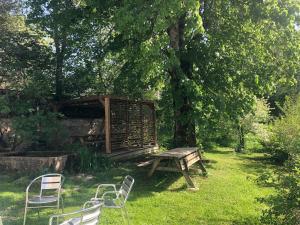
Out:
{"x": 284, "y": 146}
{"x": 4, "y": 108}
{"x": 255, "y": 122}
{"x": 23, "y": 53}
{"x": 284, "y": 141}
{"x": 88, "y": 159}
{"x": 284, "y": 205}
{"x": 207, "y": 60}
{"x": 40, "y": 129}
{"x": 219, "y": 131}
{"x": 32, "y": 121}
{"x": 224, "y": 132}
{"x": 211, "y": 63}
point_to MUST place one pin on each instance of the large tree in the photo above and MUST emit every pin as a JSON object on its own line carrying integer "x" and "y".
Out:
{"x": 72, "y": 34}
{"x": 213, "y": 56}
{"x": 23, "y": 53}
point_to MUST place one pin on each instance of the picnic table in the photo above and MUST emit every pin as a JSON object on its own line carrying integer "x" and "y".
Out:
{"x": 178, "y": 160}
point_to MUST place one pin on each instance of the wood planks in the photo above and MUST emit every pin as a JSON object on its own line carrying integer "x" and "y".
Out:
{"x": 107, "y": 126}
{"x": 132, "y": 124}
{"x": 128, "y": 124}
{"x": 183, "y": 158}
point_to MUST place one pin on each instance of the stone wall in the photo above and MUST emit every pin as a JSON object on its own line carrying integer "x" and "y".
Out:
{"x": 33, "y": 164}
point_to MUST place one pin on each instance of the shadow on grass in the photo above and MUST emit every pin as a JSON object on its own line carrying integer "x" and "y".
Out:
{"x": 218, "y": 151}
{"x": 261, "y": 167}
{"x": 248, "y": 221}
{"x": 79, "y": 188}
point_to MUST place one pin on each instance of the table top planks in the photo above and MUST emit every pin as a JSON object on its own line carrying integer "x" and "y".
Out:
{"x": 177, "y": 153}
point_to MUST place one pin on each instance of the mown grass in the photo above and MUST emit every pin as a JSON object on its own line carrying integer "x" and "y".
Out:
{"x": 227, "y": 196}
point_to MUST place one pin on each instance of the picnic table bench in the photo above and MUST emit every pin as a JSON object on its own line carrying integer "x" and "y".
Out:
{"x": 182, "y": 158}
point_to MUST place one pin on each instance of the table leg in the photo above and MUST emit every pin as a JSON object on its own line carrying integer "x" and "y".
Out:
{"x": 154, "y": 166}
{"x": 185, "y": 174}
{"x": 201, "y": 164}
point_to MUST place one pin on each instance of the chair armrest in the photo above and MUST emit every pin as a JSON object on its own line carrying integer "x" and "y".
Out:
{"x": 30, "y": 184}
{"x": 63, "y": 215}
{"x": 104, "y": 186}
{"x": 116, "y": 193}
{"x": 80, "y": 212}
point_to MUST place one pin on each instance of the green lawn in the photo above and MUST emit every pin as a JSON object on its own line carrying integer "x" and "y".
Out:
{"x": 227, "y": 196}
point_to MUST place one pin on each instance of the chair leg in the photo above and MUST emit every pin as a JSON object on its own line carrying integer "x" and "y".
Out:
{"x": 25, "y": 214}
{"x": 62, "y": 204}
{"x": 126, "y": 215}
{"x": 57, "y": 220}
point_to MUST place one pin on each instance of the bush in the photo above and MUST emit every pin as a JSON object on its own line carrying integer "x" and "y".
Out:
{"x": 40, "y": 129}
{"x": 284, "y": 145}
{"x": 284, "y": 140}
{"x": 88, "y": 159}
{"x": 284, "y": 207}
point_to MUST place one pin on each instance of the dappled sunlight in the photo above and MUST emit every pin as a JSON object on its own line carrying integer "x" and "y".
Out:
{"x": 225, "y": 196}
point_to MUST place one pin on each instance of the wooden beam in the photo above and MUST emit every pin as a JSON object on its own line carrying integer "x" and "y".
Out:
{"x": 154, "y": 124}
{"x": 169, "y": 169}
{"x": 142, "y": 124}
{"x": 185, "y": 174}
{"x": 154, "y": 166}
{"x": 107, "y": 125}
{"x": 127, "y": 124}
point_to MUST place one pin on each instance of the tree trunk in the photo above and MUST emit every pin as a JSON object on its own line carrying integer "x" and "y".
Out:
{"x": 184, "y": 124}
{"x": 241, "y": 142}
{"x": 60, "y": 46}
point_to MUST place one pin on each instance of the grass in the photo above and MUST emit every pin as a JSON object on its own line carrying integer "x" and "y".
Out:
{"x": 227, "y": 196}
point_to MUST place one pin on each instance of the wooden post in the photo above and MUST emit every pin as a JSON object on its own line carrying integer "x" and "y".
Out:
{"x": 185, "y": 174}
{"x": 127, "y": 123}
{"x": 107, "y": 125}
{"x": 154, "y": 166}
{"x": 142, "y": 125}
{"x": 154, "y": 124}
{"x": 201, "y": 163}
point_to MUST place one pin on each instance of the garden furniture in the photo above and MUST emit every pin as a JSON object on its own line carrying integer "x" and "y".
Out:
{"x": 178, "y": 160}
{"x": 115, "y": 199}
{"x": 88, "y": 215}
{"x": 48, "y": 195}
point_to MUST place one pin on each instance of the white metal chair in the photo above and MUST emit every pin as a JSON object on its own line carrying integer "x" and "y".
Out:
{"x": 85, "y": 216}
{"x": 49, "y": 193}
{"x": 115, "y": 199}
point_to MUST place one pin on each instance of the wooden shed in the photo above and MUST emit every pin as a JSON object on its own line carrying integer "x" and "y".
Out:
{"x": 120, "y": 127}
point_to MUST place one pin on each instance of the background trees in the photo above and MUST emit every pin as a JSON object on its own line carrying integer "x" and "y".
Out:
{"x": 209, "y": 58}
{"x": 203, "y": 61}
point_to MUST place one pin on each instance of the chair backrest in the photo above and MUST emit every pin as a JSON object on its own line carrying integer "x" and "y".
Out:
{"x": 91, "y": 216}
{"x": 85, "y": 216}
{"x": 126, "y": 188}
{"x": 51, "y": 182}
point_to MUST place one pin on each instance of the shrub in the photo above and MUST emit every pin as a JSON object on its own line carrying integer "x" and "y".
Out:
{"x": 284, "y": 206}
{"x": 88, "y": 159}
{"x": 284, "y": 145}
{"x": 40, "y": 129}
{"x": 254, "y": 124}
{"x": 284, "y": 138}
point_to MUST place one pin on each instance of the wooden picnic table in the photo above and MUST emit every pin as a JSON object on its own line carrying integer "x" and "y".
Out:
{"x": 183, "y": 158}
